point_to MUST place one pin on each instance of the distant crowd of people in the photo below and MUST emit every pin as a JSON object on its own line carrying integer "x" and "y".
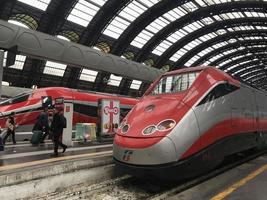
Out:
{"x": 42, "y": 125}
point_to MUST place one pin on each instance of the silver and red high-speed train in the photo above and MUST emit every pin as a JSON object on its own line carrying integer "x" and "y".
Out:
{"x": 187, "y": 122}
{"x": 28, "y": 106}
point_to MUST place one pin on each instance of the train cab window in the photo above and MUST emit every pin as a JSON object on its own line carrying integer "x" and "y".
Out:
{"x": 174, "y": 83}
{"x": 219, "y": 91}
{"x": 17, "y": 99}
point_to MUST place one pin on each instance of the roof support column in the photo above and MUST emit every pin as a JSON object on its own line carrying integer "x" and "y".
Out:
{"x": 1, "y": 69}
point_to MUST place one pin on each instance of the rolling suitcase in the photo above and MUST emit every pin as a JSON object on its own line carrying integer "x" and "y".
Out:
{"x": 36, "y": 137}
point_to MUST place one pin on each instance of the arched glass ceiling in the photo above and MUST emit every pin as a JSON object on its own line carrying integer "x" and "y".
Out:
{"x": 244, "y": 69}
{"x": 169, "y": 17}
{"x": 84, "y": 11}
{"x": 179, "y": 34}
{"x": 218, "y": 45}
{"x": 255, "y": 77}
{"x": 127, "y": 16}
{"x": 252, "y": 71}
{"x": 40, "y": 4}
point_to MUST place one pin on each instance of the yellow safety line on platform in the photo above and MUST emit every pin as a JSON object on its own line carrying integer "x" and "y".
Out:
{"x": 238, "y": 184}
{"x": 50, "y": 160}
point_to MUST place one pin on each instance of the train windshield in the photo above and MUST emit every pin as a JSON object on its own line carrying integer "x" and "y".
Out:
{"x": 17, "y": 99}
{"x": 174, "y": 83}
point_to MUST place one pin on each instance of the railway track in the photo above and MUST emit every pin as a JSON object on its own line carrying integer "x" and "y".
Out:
{"x": 131, "y": 188}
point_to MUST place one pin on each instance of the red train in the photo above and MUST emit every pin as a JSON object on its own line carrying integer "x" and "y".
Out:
{"x": 28, "y": 106}
{"x": 188, "y": 121}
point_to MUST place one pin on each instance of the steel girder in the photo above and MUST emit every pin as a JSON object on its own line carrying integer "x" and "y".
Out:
{"x": 238, "y": 53}
{"x": 189, "y": 18}
{"x": 243, "y": 59}
{"x": 230, "y": 46}
{"x": 208, "y": 29}
{"x": 258, "y": 72}
{"x": 243, "y": 69}
{"x": 142, "y": 21}
{"x": 106, "y": 13}
{"x": 218, "y": 40}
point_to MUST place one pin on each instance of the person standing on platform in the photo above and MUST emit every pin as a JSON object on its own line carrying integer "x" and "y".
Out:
{"x": 57, "y": 126}
{"x": 10, "y": 125}
{"x": 43, "y": 120}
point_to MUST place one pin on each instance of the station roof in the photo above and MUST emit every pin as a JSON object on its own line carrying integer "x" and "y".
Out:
{"x": 166, "y": 34}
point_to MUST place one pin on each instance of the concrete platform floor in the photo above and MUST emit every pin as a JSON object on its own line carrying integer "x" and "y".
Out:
{"x": 245, "y": 182}
{"x": 24, "y": 152}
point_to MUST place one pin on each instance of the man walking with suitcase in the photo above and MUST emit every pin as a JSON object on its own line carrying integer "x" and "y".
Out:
{"x": 11, "y": 125}
{"x": 57, "y": 126}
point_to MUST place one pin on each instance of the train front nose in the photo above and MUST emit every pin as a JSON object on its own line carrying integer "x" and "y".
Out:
{"x": 144, "y": 151}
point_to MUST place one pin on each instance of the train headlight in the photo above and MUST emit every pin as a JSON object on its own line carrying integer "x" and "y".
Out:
{"x": 166, "y": 125}
{"x": 149, "y": 130}
{"x": 125, "y": 128}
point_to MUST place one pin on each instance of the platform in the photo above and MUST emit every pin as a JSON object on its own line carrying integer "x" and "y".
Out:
{"x": 27, "y": 169}
{"x": 25, "y": 152}
{"x": 245, "y": 182}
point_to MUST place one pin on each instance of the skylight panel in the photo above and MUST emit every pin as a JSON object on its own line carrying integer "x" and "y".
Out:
{"x": 250, "y": 72}
{"x": 149, "y": 3}
{"x": 54, "y": 68}
{"x": 162, "y": 47}
{"x": 40, "y": 4}
{"x": 127, "y": 15}
{"x": 194, "y": 26}
{"x": 175, "y": 14}
{"x": 207, "y": 63}
{"x": 224, "y": 62}
{"x": 142, "y": 38}
{"x": 19, "y": 61}
{"x": 261, "y": 27}
{"x": 88, "y": 75}
{"x": 190, "y": 6}
{"x": 243, "y": 69}
{"x": 217, "y": 17}
{"x": 157, "y": 24}
{"x": 201, "y": 3}
{"x": 177, "y": 36}
{"x": 114, "y": 80}
{"x": 215, "y": 57}
{"x": 207, "y": 20}
{"x": 178, "y": 55}
{"x": 221, "y": 31}
{"x": 84, "y": 11}
{"x": 192, "y": 60}
{"x": 136, "y": 84}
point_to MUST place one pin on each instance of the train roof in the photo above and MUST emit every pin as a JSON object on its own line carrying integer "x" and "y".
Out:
{"x": 85, "y": 91}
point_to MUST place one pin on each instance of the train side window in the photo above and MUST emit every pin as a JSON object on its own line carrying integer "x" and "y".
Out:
{"x": 17, "y": 99}
{"x": 219, "y": 91}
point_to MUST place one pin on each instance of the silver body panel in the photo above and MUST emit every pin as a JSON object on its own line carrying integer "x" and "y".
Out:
{"x": 165, "y": 151}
